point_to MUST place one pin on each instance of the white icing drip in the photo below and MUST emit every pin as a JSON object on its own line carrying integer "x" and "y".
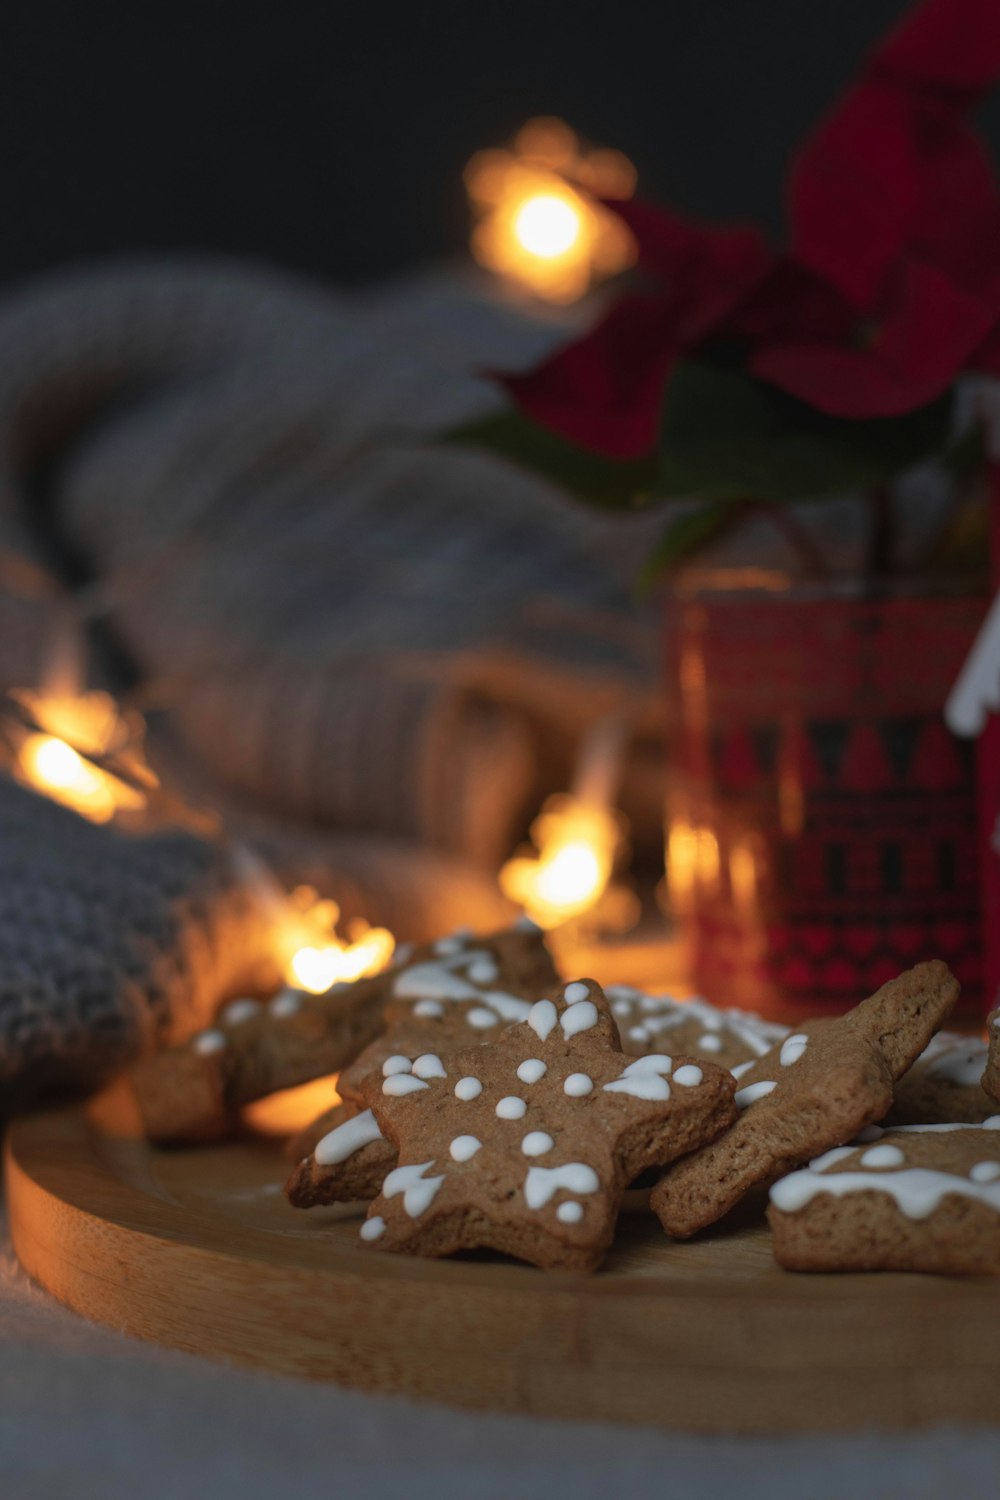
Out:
{"x": 532, "y": 1070}
{"x": 342, "y": 1142}
{"x": 536, "y": 1143}
{"x": 710, "y": 1042}
{"x": 511, "y": 1108}
{"x": 439, "y": 981}
{"x": 883, "y": 1156}
{"x": 743, "y": 1067}
{"x": 467, "y": 1089}
{"x": 402, "y": 1083}
{"x": 993, "y": 1123}
{"x": 569, "y": 1213}
{"x": 238, "y": 1011}
{"x": 580, "y": 1017}
{"x": 463, "y": 1147}
{"x": 207, "y": 1042}
{"x": 481, "y": 1018}
{"x": 542, "y": 1183}
{"x": 689, "y": 1076}
{"x": 429, "y": 1065}
{"x": 829, "y": 1157}
{"x": 418, "y": 1191}
{"x": 792, "y": 1048}
{"x": 916, "y": 1191}
{"x": 397, "y": 1063}
{"x": 753, "y": 1092}
{"x": 373, "y": 1228}
{"x": 542, "y": 1018}
{"x": 575, "y": 992}
{"x": 644, "y": 1079}
{"x": 985, "y": 1171}
{"x": 428, "y": 1008}
{"x": 577, "y": 1085}
{"x": 286, "y": 1003}
{"x": 663, "y": 1012}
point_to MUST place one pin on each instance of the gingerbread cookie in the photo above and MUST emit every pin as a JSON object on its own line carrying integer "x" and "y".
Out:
{"x": 527, "y": 1145}
{"x": 915, "y": 1198}
{"x": 456, "y": 992}
{"x": 346, "y": 1161}
{"x": 822, "y": 1085}
{"x": 945, "y": 1084}
{"x": 991, "y": 1075}
{"x": 733, "y": 1039}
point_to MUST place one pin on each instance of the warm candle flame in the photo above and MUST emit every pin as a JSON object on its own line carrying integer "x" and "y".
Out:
{"x": 72, "y": 727}
{"x": 540, "y": 219}
{"x": 314, "y": 957}
{"x": 576, "y": 845}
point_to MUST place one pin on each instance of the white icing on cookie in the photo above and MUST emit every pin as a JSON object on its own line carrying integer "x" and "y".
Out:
{"x": 403, "y": 953}
{"x": 689, "y": 1076}
{"x": 428, "y": 1009}
{"x": 569, "y": 1213}
{"x": 397, "y": 1063}
{"x": 644, "y": 1078}
{"x": 481, "y": 1018}
{"x": 916, "y": 1191}
{"x": 483, "y": 971}
{"x": 577, "y": 1085}
{"x": 575, "y": 992}
{"x": 373, "y": 1228}
{"x": 238, "y": 1011}
{"x": 742, "y": 1068}
{"x": 511, "y": 1108}
{"x": 660, "y": 1013}
{"x": 710, "y": 1042}
{"x": 792, "y": 1048}
{"x": 447, "y": 946}
{"x": 536, "y": 1143}
{"x": 542, "y": 1183}
{"x": 440, "y": 982}
{"x": 581, "y": 1016}
{"x": 985, "y": 1171}
{"x": 418, "y": 1191}
{"x": 467, "y": 1089}
{"x": 402, "y": 1083}
{"x": 207, "y": 1042}
{"x": 286, "y": 1003}
{"x": 542, "y": 1018}
{"x": 463, "y": 1147}
{"x": 883, "y": 1156}
{"x": 955, "y": 1059}
{"x": 753, "y": 1092}
{"x": 429, "y": 1065}
{"x": 532, "y": 1070}
{"x": 342, "y": 1142}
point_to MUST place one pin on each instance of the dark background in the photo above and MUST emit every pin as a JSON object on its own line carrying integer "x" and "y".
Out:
{"x": 330, "y": 135}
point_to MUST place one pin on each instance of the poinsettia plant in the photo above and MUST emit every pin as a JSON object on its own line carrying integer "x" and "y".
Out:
{"x": 747, "y": 373}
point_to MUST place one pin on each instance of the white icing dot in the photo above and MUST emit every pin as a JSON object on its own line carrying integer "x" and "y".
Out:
{"x": 743, "y": 1067}
{"x": 792, "y": 1048}
{"x": 531, "y": 1070}
{"x": 542, "y": 1183}
{"x": 621, "y": 1008}
{"x": 710, "y": 1042}
{"x": 483, "y": 971}
{"x": 644, "y": 1078}
{"x": 463, "y": 1147}
{"x": 447, "y": 946}
{"x": 576, "y": 991}
{"x": 238, "y": 1011}
{"x": 542, "y": 1017}
{"x": 883, "y": 1156}
{"x": 418, "y": 1191}
{"x": 639, "y": 1034}
{"x": 286, "y": 1003}
{"x": 403, "y": 953}
{"x": 580, "y": 1017}
{"x": 428, "y": 1008}
{"x": 578, "y": 1084}
{"x": 689, "y": 1076}
{"x": 402, "y": 1083}
{"x": 373, "y": 1228}
{"x": 429, "y": 1066}
{"x": 985, "y": 1171}
{"x": 536, "y": 1143}
{"x": 207, "y": 1042}
{"x": 468, "y": 1088}
{"x": 395, "y": 1064}
{"x": 342, "y": 1142}
{"x": 511, "y": 1108}
{"x": 570, "y": 1213}
{"x": 481, "y": 1018}
{"x": 753, "y": 1092}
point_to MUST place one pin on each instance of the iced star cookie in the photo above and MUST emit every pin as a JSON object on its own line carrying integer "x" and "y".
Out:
{"x": 945, "y": 1084}
{"x": 527, "y": 1145}
{"x": 816, "y": 1090}
{"x": 991, "y": 1076}
{"x": 342, "y": 1158}
{"x": 454, "y": 993}
{"x": 732, "y": 1038}
{"x": 915, "y": 1198}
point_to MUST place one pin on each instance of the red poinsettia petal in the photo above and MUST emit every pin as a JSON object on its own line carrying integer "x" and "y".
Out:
{"x": 950, "y": 45}
{"x": 669, "y": 244}
{"x": 927, "y": 333}
{"x": 605, "y": 391}
{"x": 791, "y": 302}
{"x": 956, "y": 225}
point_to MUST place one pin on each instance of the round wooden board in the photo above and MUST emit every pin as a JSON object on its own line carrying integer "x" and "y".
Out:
{"x": 198, "y": 1250}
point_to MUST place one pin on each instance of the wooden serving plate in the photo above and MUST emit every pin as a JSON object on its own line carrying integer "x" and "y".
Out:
{"x": 198, "y": 1250}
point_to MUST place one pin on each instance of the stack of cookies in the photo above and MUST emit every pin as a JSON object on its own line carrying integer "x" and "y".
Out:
{"x": 487, "y": 1103}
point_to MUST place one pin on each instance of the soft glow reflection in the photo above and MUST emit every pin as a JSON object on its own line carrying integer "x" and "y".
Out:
{"x": 291, "y": 1110}
{"x": 576, "y": 845}
{"x": 88, "y": 722}
{"x": 314, "y": 957}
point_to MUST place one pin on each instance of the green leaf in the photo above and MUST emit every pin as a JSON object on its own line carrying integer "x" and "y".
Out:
{"x": 727, "y": 436}
{"x": 602, "y": 482}
{"x": 685, "y": 536}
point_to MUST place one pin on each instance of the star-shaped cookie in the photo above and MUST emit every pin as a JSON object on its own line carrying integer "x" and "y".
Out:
{"x": 816, "y": 1090}
{"x": 526, "y": 1145}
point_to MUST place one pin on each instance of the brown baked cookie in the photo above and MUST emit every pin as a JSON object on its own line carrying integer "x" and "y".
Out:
{"x": 454, "y": 993}
{"x": 346, "y": 1162}
{"x": 733, "y": 1039}
{"x": 916, "y": 1198}
{"x": 822, "y": 1085}
{"x": 991, "y": 1075}
{"x": 527, "y": 1145}
{"x": 945, "y": 1084}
